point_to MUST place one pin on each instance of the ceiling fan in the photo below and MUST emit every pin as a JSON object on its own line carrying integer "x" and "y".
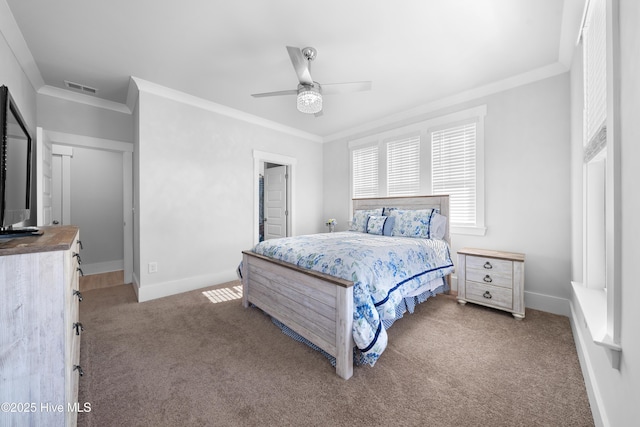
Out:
{"x": 309, "y": 93}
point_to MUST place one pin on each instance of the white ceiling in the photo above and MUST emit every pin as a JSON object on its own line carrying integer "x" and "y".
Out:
{"x": 415, "y": 51}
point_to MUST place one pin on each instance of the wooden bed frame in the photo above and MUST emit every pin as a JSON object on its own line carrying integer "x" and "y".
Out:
{"x": 317, "y": 306}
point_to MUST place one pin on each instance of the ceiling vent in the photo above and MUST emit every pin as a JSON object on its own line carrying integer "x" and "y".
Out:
{"x": 81, "y": 88}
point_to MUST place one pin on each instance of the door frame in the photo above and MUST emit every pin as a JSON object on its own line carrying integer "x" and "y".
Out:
{"x": 290, "y": 162}
{"x": 65, "y": 153}
{"x": 126, "y": 149}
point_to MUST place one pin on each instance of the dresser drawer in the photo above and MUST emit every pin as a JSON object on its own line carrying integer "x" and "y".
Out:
{"x": 494, "y": 296}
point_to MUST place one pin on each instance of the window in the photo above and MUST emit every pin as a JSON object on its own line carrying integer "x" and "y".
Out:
{"x": 453, "y": 170}
{"x": 595, "y": 142}
{"x": 598, "y": 296}
{"x": 365, "y": 172}
{"x": 444, "y": 155}
{"x": 403, "y": 167}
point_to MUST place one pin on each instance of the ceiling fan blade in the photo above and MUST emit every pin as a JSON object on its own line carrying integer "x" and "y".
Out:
{"x": 332, "y": 88}
{"x": 278, "y": 93}
{"x": 300, "y": 65}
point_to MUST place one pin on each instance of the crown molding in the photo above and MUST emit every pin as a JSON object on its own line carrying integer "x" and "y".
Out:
{"x": 462, "y": 97}
{"x": 18, "y": 45}
{"x": 81, "y": 98}
{"x": 156, "y": 89}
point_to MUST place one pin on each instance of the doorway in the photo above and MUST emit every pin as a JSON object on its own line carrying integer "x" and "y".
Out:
{"x": 98, "y": 161}
{"x": 273, "y": 195}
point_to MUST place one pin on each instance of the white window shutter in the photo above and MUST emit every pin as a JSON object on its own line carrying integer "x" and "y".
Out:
{"x": 454, "y": 170}
{"x": 594, "y": 37}
{"x": 403, "y": 166}
{"x": 365, "y": 172}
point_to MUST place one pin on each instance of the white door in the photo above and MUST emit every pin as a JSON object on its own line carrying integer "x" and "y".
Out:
{"x": 275, "y": 202}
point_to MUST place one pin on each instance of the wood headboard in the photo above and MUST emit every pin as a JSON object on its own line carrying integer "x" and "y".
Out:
{"x": 440, "y": 202}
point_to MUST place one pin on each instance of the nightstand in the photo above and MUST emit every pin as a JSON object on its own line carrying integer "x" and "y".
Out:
{"x": 492, "y": 278}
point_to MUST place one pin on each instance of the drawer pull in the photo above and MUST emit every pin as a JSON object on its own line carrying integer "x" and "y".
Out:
{"x": 488, "y": 265}
{"x": 487, "y": 279}
{"x": 80, "y": 270}
{"x": 77, "y": 255}
{"x": 78, "y": 294}
{"x": 78, "y": 327}
{"x": 487, "y": 295}
{"x": 79, "y": 369}
{"x": 80, "y": 243}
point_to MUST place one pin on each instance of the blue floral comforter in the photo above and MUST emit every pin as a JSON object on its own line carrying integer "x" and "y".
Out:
{"x": 384, "y": 270}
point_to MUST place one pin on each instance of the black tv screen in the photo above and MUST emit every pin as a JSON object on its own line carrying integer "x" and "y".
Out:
{"x": 15, "y": 159}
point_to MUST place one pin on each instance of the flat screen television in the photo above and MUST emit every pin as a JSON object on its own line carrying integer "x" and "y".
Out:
{"x": 15, "y": 169}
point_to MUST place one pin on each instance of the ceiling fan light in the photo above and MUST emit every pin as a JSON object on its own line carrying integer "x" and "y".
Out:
{"x": 309, "y": 101}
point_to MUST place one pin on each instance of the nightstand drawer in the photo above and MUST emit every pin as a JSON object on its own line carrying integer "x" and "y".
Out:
{"x": 491, "y": 277}
{"x": 494, "y": 296}
{"x": 497, "y": 267}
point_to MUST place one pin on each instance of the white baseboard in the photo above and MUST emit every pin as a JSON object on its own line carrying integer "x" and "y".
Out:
{"x": 102, "y": 267}
{"x": 136, "y": 285}
{"x": 595, "y": 397}
{"x": 548, "y": 303}
{"x": 164, "y": 289}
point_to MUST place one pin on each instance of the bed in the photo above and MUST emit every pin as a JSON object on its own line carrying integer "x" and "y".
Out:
{"x": 322, "y": 308}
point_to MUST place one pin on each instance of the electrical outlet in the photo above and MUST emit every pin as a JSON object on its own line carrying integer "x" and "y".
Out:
{"x": 153, "y": 267}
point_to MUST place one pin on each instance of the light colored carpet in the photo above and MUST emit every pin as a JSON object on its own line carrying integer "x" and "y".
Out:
{"x": 185, "y": 361}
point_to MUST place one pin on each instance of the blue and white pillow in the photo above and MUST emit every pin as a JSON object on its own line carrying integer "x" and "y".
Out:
{"x": 438, "y": 226}
{"x": 412, "y": 223}
{"x": 387, "y": 211}
{"x": 388, "y": 226}
{"x": 375, "y": 225}
{"x": 360, "y": 218}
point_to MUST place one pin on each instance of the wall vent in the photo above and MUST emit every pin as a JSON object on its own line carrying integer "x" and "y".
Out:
{"x": 81, "y": 88}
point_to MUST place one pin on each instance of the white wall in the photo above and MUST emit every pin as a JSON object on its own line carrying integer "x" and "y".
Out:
{"x": 195, "y": 191}
{"x": 13, "y": 76}
{"x": 527, "y": 184}
{"x": 615, "y": 393}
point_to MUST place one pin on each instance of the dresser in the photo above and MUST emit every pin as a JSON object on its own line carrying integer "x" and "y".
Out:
{"x": 39, "y": 328}
{"x": 492, "y": 278}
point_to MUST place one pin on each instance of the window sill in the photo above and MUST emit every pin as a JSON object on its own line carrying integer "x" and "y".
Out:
{"x": 593, "y": 305}
{"x": 469, "y": 231}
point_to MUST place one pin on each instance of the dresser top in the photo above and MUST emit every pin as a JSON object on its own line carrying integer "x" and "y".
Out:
{"x": 56, "y": 238}
{"x": 512, "y": 256}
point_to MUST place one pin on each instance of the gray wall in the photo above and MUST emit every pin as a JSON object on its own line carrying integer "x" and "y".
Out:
{"x": 24, "y": 95}
{"x": 527, "y": 184}
{"x": 81, "y": 119}
{"x": 194, "y": 195}
{"x": 12, "y": 76}
{"x": 97, "y": 207}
